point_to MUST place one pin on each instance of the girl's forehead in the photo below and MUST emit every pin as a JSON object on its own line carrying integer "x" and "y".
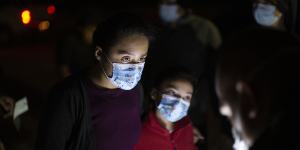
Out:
{"x": 132, "y": 40}
{"x": 177, "y": 84}
{"x": 136, "y": 46}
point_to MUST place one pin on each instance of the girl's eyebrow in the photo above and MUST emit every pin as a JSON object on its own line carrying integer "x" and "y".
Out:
{"x": 128, "y": 52}
{"x": 125, "y": 52}
{"x": 190, "y": 93}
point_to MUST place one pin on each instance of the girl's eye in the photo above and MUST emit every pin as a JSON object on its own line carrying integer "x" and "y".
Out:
{"x": 142, "y": 59}
{"x": 188, "y": 98}
{"x": 125, "y": 59}
{"x": 170, "y": 92}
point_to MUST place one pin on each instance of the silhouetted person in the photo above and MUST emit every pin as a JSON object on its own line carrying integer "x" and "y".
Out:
{"x": 257, "y": 82}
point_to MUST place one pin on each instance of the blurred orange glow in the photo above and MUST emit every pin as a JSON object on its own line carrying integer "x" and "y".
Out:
{"x": 26, "y": 17}
{"x": 44, "y": 25}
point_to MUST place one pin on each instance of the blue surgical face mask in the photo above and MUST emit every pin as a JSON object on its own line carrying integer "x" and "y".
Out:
{"x": 169, "y": 13}
{"x": 125, "y": 76}
{"x": 172, "y": 108}
{"x": 264, "y": 14}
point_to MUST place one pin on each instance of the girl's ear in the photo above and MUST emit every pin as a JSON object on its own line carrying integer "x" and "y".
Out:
{"x": 154, "y": 94}
{"x": 98, "y": 52}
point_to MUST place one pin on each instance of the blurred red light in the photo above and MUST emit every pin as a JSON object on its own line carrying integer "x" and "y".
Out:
{"x": 51, "y": 9}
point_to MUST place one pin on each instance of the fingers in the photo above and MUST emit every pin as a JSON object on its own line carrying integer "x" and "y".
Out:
{"x": 7, "y": 104}
{"x": 197, "y": 135}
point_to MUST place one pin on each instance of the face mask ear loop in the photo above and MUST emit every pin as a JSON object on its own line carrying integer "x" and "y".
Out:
{"x": 102, "y": 67}
{"x": 108, "y": 58}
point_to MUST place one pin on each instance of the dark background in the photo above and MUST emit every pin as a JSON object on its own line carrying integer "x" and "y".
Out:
{"x": 28, "y": 56}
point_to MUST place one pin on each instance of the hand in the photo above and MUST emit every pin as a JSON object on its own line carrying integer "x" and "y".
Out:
{"x": 197, "y": 135}
{"x": 1, "y": 146}
{"x": 65, "y": 71}
{"x": 7, "y": 103}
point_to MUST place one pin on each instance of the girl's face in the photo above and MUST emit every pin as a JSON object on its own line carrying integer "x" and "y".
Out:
{"x": 128, "y": 50}
{"x": 177, "y": 88}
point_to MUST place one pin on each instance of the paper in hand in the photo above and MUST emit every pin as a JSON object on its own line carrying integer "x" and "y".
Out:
{"x": 21, "y": 107}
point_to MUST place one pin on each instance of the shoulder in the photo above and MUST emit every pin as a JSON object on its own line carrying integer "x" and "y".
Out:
{"x": 69, "y": 84}
{"x": 197, "y": 22}
{"x": 68, "y": 93}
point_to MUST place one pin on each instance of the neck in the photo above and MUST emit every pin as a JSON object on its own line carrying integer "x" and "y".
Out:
{"x": 164, "y": 123}
{"x": 98, "y": 77}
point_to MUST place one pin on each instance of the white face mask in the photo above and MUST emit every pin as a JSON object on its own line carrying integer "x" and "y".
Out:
{"x": 264, "y": 14}
{"x": 125, "y": 76}
{"x": 172, "y": 108}
{"x": 169, "y": 13}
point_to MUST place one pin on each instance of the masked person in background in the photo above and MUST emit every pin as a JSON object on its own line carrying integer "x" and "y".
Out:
{"x": 167, "y": 125}
{"x": 185, "y": 40}
{"x": 100, "y": 110}
{"x": 279, "y": 14}
{"x": 176, "y": 13}
{"x": 257, "y": 83}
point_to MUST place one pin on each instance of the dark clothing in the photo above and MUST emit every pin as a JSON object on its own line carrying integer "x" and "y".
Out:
{"x": 282, "y": 135}
{"x": 177, "y": 47}
{"x": 206, "y": 31}
{"x": 67, "y": 123}
{"x": 115, "y": 117}
{"x": 155, "y": 137}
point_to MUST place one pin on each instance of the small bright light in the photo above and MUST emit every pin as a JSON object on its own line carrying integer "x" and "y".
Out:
{"x": 44, "y": 25}
{"x": 26, "y": 17}
{"x": 226, "y": 111}
{"x": 51, "y": 9}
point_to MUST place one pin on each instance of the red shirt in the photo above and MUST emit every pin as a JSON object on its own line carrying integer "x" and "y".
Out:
{"x": 155, "y": 137}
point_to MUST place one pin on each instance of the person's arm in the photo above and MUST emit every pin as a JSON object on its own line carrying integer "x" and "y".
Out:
{"x": 214, "y": 36}
{"x": 207, "y": 32}
{"x": 56, "y": 122}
